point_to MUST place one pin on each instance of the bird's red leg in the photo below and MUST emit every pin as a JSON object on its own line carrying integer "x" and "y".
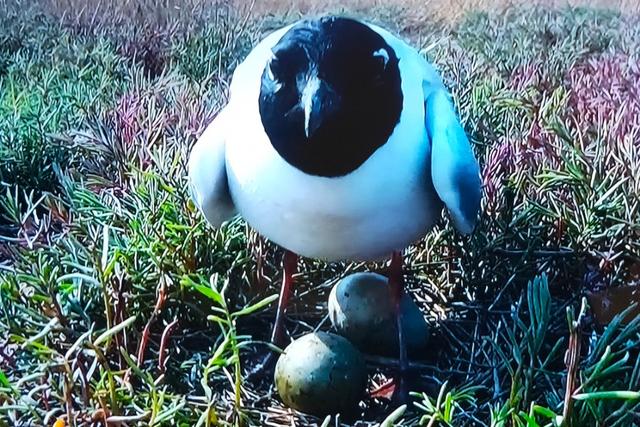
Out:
{"x": 396, "y": 285}
{"x": 289, "y": 264}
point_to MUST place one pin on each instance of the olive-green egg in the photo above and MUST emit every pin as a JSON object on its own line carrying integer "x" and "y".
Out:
{"x": 320, "y": 374}
{"x": 361, "y": 310}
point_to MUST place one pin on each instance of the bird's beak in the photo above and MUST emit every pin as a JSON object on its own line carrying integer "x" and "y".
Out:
{"x": 320, "y": 102}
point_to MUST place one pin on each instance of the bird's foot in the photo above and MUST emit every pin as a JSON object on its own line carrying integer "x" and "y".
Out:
{"x": 395, "y": 390}
{"x": 383, "y": 391}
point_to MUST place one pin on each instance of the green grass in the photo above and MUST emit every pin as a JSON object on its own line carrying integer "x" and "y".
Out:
{"x": 118, "y": 302}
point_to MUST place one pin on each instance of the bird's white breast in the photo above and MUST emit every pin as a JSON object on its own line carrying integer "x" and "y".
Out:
{"x": 384, "y": 205}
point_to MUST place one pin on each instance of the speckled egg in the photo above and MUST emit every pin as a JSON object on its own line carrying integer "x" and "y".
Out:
{"x": 361, "y": 310}
{"x": 321, "y": 373}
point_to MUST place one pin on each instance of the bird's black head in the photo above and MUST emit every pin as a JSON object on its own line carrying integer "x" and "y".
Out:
{"x": 330, "y": 95}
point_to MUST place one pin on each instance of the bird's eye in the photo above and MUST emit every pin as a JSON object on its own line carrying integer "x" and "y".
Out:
{"x": 274, "y": 74}
{"x": 382, "y": 57}
{"x": 272, "y": 69}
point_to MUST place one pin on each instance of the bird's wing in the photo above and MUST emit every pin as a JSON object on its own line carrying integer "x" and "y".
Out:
{"x": 208, "y": 175}
{"x": 454, "y": 168}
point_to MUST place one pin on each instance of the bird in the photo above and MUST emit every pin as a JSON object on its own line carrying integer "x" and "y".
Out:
{"x": 339, "y": 142}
